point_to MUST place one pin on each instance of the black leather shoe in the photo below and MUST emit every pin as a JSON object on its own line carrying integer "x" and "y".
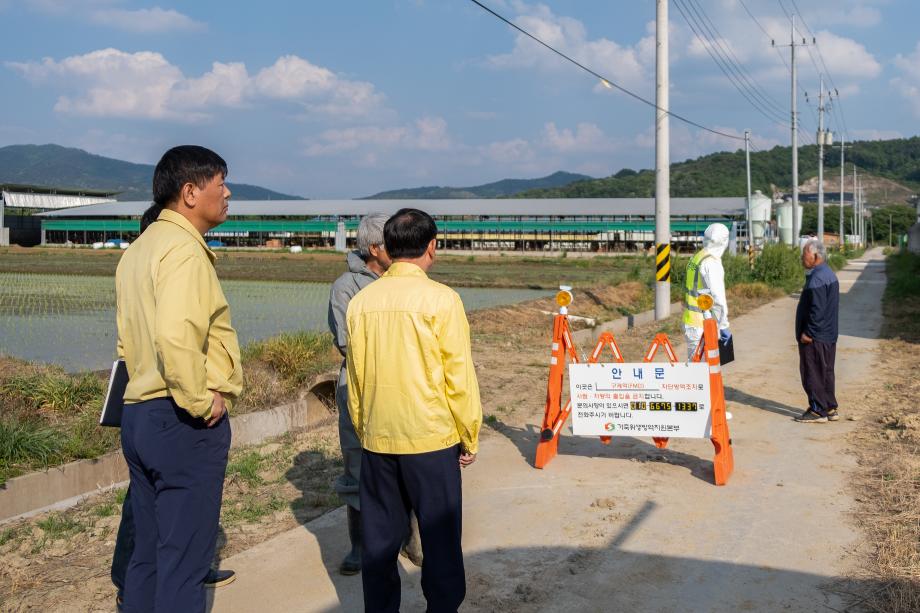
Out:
{"x": 219, "y": 578}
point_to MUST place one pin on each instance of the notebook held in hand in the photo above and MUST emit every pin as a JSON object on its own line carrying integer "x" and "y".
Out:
{"x": 115, "y": 396}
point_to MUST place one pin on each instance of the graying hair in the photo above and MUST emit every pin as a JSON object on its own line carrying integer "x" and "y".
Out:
{"x": 370, "y": 232}
{"x": 816, "y": 246}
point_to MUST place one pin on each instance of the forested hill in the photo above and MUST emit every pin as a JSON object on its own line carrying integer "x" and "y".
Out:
{"x": 65, "y": 167}
{"x": 505, "y": 187}
{"x": 722, "y": 174}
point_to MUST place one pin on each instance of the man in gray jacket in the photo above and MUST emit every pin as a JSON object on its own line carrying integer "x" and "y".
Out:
{"x": 364, "y": 266}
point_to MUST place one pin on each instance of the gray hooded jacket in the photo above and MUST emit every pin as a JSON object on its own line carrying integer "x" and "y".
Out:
{"x": 344, "y": 289}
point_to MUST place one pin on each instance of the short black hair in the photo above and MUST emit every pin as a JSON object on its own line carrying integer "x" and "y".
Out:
{"x": 178, "y": 166}
{"x": 408, "y": 233}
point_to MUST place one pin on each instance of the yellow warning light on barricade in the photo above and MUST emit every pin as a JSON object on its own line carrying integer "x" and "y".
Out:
{"x": 564, "y": 298}
{"x": 704, "y": 301}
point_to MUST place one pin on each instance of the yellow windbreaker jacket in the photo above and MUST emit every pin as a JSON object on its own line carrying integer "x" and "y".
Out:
{"x": 412, "y": 387}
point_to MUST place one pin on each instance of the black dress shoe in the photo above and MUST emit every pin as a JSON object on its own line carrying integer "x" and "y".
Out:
{"x": 219, "y": 578}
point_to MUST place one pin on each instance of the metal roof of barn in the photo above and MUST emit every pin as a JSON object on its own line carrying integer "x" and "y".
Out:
{"x": 517, "y": 207}
{"x": 25, "y": 188}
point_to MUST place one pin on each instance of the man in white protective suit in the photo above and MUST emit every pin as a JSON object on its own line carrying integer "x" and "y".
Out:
{"x": 706, "y": 275}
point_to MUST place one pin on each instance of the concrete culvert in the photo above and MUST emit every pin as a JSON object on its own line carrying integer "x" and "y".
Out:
{"x": 321, "y": 400}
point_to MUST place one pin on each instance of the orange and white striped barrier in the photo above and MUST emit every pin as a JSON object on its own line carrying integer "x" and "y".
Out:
{"x": 564, "y": 351}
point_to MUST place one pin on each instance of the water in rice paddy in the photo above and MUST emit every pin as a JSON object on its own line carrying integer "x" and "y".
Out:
{"x": 70, "y": 320}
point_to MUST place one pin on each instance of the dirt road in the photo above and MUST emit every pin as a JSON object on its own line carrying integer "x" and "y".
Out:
{"x": 629, "y": 527}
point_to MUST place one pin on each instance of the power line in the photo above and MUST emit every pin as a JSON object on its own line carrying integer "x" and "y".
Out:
{"x": 722, "y": 64}
{"x": 804, "y": 135}
{"x": 607, "y": 82}
{"x": 826, "y": 72}
{"x": 764, "y": 30}
{"x": 722, "y": 43}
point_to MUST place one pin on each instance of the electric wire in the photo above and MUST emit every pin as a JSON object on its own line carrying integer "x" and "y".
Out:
{"x": 721, "y": 63}
{"x": 826, "y": 72}
{"x": 804, "y": 135}
{"x": 723, "y": 44}
{"x": 602, "y": 78}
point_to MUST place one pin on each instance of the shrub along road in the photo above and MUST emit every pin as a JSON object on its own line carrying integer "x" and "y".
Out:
{"x": 630, "y": 527}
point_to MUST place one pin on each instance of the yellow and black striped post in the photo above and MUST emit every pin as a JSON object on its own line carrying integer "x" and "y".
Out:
{"x": 663, "y": 263}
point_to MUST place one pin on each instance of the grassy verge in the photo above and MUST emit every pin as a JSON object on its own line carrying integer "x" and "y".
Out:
{"x": 888, "y": 448}
{"x": 48, "y": 417}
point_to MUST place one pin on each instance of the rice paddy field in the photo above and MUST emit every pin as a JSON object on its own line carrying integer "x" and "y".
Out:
{"x": 69, "y": 320}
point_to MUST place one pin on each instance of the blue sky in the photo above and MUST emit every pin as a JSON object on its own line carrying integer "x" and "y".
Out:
{"x": 344, "y": 99}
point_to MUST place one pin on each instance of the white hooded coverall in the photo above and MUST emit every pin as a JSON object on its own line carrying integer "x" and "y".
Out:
{"x": 715, "y": 241}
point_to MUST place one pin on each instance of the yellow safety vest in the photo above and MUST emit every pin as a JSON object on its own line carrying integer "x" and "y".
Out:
{"x": 693, "y": 315}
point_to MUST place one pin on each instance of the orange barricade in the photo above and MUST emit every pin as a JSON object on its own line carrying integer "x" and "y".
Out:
{"x": 556, "y": 415}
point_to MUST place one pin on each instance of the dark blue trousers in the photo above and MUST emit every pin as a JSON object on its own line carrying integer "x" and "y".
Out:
{"x": 816, "y": 366}
{"x": 124, "y": 544}
{"x": 429, "y": 484}
{"x": 177, "y": 467}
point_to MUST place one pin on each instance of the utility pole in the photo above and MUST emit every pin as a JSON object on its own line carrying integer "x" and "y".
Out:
{"x": 821, "y": 139}
{"x": 796, "y": 222}
{"x": 747, "y": 165}
{"x": 861, "y": 218}
{"x": 842, "y": 192}
{"x": 662, "y": 167}
{"x": 855, "y": 228}
{"x": 795, "y": 149}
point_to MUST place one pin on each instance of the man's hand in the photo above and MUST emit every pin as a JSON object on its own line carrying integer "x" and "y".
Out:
{"x": 218, "y": 408}
{"x": 466, "y": 459}
{"x": 805, "y": 339}
{"x": 725, "y": 334}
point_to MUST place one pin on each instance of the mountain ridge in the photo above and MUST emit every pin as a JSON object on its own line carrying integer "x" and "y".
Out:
{"x": 495, "y": 189}
{"x": 723, "y": 173}
{"x": 73, "y": 168}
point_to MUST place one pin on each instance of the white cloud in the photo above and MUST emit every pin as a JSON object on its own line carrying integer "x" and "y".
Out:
{"x": 426, "y": 134}
{"x": 859, "y": 15}
{"x": 512, "y": 151}
{"x": 114, "y": 83}
{"x": 321, "y": 90}
{"x": 623, "y": 64}
{"x": 846, "y": 56}
{"x": 908, "y": 84}
{"x": 150, "y": 20}
{"x": 586, "y": 138}
{"x": 111, "y": 13}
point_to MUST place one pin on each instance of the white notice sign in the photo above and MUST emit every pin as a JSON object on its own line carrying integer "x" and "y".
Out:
{"x": 640, "y": 399}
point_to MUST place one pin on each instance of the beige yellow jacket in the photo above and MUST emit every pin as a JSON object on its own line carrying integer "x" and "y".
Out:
{"x": 173, "y": 320}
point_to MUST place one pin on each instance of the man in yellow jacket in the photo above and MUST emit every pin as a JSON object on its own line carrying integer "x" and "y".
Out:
{"x": 414, "y": 401}
{"x": 183, "y": 362}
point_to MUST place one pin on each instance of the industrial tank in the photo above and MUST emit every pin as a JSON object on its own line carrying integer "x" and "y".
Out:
{"x": 761, "y": 208}
{"x": 784, "y": 222}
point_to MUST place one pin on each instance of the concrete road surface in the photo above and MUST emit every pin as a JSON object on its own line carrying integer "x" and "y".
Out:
{"x": 628, "y": 527}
